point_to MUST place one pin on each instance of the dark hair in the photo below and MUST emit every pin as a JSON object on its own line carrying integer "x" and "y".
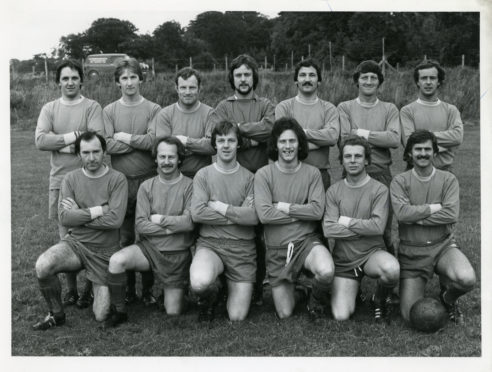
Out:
{"x": 280, "y": 126}
{"x": 223, "y": 128}
{"x": 186, "y": 73}
{"x": 130, "y": 64}
{"x": 429, "y": 64}
{"x": 365, "y": 67}
{"x": 88, "y": 136}
{"x": 308, "y": 62}
{"x": 354, "y": 140}
{"x": 419, "y": 136}
{"x": 243, "y": 59}
{"x": 74, "y": 65}
{"x": 170, "y": 140}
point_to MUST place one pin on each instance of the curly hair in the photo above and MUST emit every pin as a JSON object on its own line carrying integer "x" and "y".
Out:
{"x": 417, "y": 137}
{"x": 280, "y": 126}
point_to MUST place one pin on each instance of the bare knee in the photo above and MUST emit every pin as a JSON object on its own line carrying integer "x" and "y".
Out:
{"x": 237, "y": 314}
{"x": 390, "y": 272}
{"x": 43, "y": 266}
{"x": 466, "y": 279}
{"x": 284, "y": 313}
{"x": 341, "y": 313}
{"x": 200, "y": 281}
{"x": 174, "y": 309}
{"x": 325, "y": 274}
{"x": 117, "y": 263}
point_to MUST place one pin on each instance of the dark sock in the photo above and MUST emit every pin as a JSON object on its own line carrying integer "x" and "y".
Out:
{"x": 210, "y": 294}
{"x": 147, "y": 281}
{"x": 382, "y": 292}
{"x": 71, "y": 281}
{"x": 321, "y": 291}
{"x": 87, "y": 286}
{"x": 116, "y": 284}
{"x": 451, "y": 294}
{"x": 51, "y": 289}
{"x": 130, "y": 281}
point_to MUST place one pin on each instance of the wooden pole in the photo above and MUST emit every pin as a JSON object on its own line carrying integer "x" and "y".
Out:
{"x": 397, "y": 67}
{"x": 383, "y": 61}
{"x": 286, "y": 66}
{"x": 46, "y": 68}
{"x": 176, "y": 68}
{"x": 462, "y": 60}
{"x": 153, "y": 68}
{"x": 83, "y": 65}
{"x": 226, "y": 64}
{"x": 191, "y": 63}
{"x": 331, "y": 62}
{"x": 214, "y": 67}
{"x": 33, "y": 67}
{"x": 343, "y": 63}
{"x": 274, "y": 60}
{"x": 309, "y": 50}
{"x": 292, "y": 60}
{"x": 266, "y": 62}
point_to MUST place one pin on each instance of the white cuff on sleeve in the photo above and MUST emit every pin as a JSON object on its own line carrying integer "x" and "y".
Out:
{"x": 345, "y": 221}
{"x": 96, "y": 212}
{"x": 284, "y": 207}
{"x": 435, "y": 208}
{"x": 69, "y": 138}
{"x": 65, "y": 150}
{"x": 123, "y": 137}
{"x": 156, "y": 218}
{"x": 221, "y": 207}
{"x": 363, "y": 133}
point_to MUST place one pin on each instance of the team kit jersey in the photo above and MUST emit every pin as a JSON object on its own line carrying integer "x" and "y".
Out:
{"x": 255, "y": 117}
{"x": 234, "y": 188}
{"x": 102, "y": 233}
{"x": 134, "y": 159}
{"x": 367, "y": 207}
{"x": 171, "y": 199}
{"x": 302, "y": 188}
{"x": 381, "y": 120}
{"x": 57, "y": 118}
{"x": 320, "y": 122}
{"x": 173, "y": 120}
{"x": 441, "y": 118}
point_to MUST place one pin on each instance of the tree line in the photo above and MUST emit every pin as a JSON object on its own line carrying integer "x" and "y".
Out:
{"x": 213, "y": 37}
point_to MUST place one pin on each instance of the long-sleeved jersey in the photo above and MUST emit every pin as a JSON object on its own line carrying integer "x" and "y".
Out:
{"x": 172, "y": 200}
{"x": 367, "y": 206}
{"x": 256, "y": 117}
{"x": 302, "y": 188}
{"x": 234, "y": 188}
{"x": 111, "y": 189}
{"x": 60, "y": 117}
{"x": 441, "y": 118}
{"x": 411, "y": 197}
{"x": 173, "y": 120}
{"x": 134, "y": 159}
{"x": 320, "y": 121}
{"x": 382, "y": 122}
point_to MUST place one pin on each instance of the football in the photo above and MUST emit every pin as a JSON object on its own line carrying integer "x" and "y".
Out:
{"x": 428, "y": 315}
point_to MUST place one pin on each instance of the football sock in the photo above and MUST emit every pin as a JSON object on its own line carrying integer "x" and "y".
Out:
{"x": 321, "y": 291}
{"x": 51, "y": 290}
{"x": 87, "y": 285}
{"x": 382, "y": 292}
{"x": 71, "y": 281}
{"x": 116, "y": 284}
{"x": 147, "y": 281}
{"x": 451, "y": 294}
{"x": 130, "y": 281}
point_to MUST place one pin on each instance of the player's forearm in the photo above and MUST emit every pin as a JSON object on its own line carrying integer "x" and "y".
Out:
{"x": 116, "y": 147}
{"x": 49, "y": 141}
{"x": 200, "y": 146}
{"x": 384, "y": 139}
{"x": 143, "y": 142}
{"x": 368, "y": 227}
{"x": 178, "y": 224}
{"x": 450, "y": 138}
{"x": 144, "y": 226}
{"x": 74, "y": 217}
{"x": 312, "y": 211}
{"x": 201, "y": 213}
{"x": 242, "y": 215}
{"x": 335, "y": 230}
{"x": 324, "y": 137}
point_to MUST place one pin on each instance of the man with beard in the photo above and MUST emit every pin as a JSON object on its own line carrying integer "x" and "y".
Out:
{"x": 130, "y": 134}
{"x": 426, "y": 203}
{"x": 187, "y": 120}
{"x": 59, "y": 124}
{"x": 317, "y": 117}
{"x": 289, "y": 200}
{"x": 92, "y": 205}
{"x": 223, "y": 204}
{"x": 163, "y": 222}
{"x": 429, "y": 112}
{"x": 254, "y": 116}
{"x": 356, "y": 212}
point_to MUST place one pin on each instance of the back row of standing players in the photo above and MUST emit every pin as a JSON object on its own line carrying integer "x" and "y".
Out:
{"x": 289, "y": 194}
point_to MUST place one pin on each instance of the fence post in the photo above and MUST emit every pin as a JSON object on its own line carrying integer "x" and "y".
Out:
{"x": 309, "y": 50}
{"x": 331, "y": 67}
{"x": 153, "y": 68}
{"x": 286, "y": 66}
{"x": 274, "y": 62}
{"x": 191, "y": 63}
{"x": 214, "y": 67}
{"x": 266, "y": 62}
{"x": 176, "y": 68}
{"x": 292, "y": 59}
{"x": 226, "y": 65}
{"x": 46, "y": 68}
{"x": 343, "y": 63}
{"x": 397, "y": 67}
{"x": 462, "y": 60}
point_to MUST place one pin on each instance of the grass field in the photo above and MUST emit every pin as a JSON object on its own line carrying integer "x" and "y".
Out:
{"x": 152, "y": 333}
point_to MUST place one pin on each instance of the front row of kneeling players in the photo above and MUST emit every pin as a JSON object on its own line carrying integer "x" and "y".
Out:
{"x": 288, "y": 199}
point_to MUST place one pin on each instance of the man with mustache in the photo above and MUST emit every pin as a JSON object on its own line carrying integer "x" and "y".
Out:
{"x": 429, "y": 112}
{"x": 130, "y": 134}
{"x": 377, "y": 122}
{"x": 317, "y": 117}
{"x": 59, "y": 125}
{"x": 163, "y": 223}
{"x": 187, "y": 120}
{"x": 255, "y": 116}
{"x": 426, "y": 204}
{"x": 92, "y": 205}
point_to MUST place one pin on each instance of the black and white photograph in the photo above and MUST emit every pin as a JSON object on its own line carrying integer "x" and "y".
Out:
{"x": 204, "y": 182}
